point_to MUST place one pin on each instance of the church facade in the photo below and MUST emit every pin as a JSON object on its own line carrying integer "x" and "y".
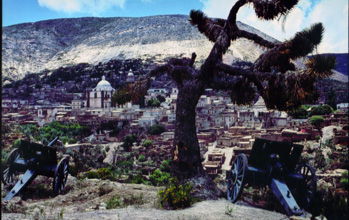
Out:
{"x": 100, "y": 96}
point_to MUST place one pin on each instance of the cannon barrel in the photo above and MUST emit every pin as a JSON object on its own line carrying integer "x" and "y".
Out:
{"x": 53, "y": 142}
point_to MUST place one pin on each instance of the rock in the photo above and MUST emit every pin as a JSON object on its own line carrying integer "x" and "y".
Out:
{"x": 323, "y": 184}
{"x": 16, "y": 200}
{"x": 205, "y": 188}
{"x": 297, "y": 218}
{"x": 103, "y": 206}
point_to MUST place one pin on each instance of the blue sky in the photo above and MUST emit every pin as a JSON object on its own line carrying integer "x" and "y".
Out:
{"x": 333, "y": 14}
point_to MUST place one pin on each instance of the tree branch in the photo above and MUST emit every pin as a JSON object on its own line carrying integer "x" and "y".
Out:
{"x": 255, "y": 38}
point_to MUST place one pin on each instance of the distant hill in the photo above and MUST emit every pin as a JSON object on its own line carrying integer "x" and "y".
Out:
{"x": 48, "y": 45}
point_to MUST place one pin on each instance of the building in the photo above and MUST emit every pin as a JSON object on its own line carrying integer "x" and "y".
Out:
{"x": 100, "y": 97}
{"x": 130, "y": 77}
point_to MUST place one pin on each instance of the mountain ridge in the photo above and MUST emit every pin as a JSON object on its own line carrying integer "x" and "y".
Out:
{"x": 50, "y": 44}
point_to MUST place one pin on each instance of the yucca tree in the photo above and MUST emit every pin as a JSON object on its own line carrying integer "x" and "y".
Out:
{"x": 273, "y": 75}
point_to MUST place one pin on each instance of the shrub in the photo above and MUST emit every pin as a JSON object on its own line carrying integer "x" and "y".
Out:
{"x": 344, "y": 180}
{"x": 321, "y": 110}
{"x": 166, "y": 166}
{"x": 176, "y": 196}
{"x": 317, "y": 138}
{"x": 137, "y": 179}
{"x": 101, "y": 173}
{"x": 104, "y": 173}
{"x": 147, "y": 143}
{"x": 300, "y": 113}
{"x": 17, "y": 143}
{"x": 142, "y": 158}
{"x": 92, "y": 174}
{"x": 317, "y": 121}
{"x": 128, "y": 141}
{"x": 156, "y": 129}
{"x": 133, "y": 200}
{"x": 116, "y": 202}
{"x": 113, "y": 202}
{"x": 159, "y": 178}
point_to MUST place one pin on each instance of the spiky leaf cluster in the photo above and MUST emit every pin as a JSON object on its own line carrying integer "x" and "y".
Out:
{"x": 305, "y": 42}
{"x": 279, "y": 58}
{"x": 242, "y": 92}
{"x": 320, "y": 66}
{"x": 211, "y": 28}
{"x": 270, "y": 9}
{"x": 286, "y": 92}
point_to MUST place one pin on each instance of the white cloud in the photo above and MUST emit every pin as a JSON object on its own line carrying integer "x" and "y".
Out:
{"x": 86, "y": 6}
{"x": 333, "y": 15}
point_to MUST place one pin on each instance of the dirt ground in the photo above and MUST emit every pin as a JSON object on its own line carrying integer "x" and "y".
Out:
{"x": 87, "y": 199}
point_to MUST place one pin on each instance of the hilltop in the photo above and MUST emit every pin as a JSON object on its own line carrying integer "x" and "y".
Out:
{"x": 48, "y": 45}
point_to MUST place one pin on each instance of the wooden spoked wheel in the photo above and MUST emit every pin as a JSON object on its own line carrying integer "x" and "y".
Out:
{"x": 9, "y": 173}
{"x": 308, "y": 188}
{"x": 61, "y": 175}
{"x": 236, "y": 178}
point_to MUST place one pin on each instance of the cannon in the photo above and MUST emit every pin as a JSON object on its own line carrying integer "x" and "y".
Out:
{"x": 274, "y": 164}
{"x": 34, "y": 159}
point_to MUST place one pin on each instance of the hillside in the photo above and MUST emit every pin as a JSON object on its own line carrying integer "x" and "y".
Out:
{"x": 34, "y": 47}
{"x": 83, "y": 199}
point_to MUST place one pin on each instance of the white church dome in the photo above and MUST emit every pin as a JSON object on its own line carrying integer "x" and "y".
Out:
{"x": 130, "y": 73}
{"x": 103, "y": 85}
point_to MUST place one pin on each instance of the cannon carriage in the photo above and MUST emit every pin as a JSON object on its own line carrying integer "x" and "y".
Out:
{"x": 31, "y": 160}
{"x": 274, "y": 164}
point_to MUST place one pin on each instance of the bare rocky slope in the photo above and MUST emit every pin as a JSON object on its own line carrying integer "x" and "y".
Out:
{"x": 33, "y": 47}
{"x": 87, "y": 199}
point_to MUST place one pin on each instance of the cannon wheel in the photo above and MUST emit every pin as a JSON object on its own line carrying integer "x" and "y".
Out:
{"x": 309, "y": 188}
{"x": 236, "y": 178}
{"x": 61, "y": 176}
{"x": 8, "y": 172}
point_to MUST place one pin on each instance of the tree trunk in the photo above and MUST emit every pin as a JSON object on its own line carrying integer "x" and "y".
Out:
{"x": 186, "y": 161}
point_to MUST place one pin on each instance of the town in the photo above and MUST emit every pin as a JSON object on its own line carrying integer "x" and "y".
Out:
{"x": 83, "y": 95}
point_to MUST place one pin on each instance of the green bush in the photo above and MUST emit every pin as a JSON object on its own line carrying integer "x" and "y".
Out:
{"x": 137, "y": 179}
{"x": 142, "y": 158}
{"x": 317, "y": 138}
{"x": 176, "y": 196}
{"x": 344, "y": 180}
{"x": 317, "y": 121}
{"x": 166, "y": 166}
{"x": 101, "y": 173}
{"x": 147, "y": 143}
{"x": 113, "y": 202}
{"x": 17, "y": 143}
{"x": 321, "y": 110}
{"x": 104, "y": 173}
{"x": 300, "y": 112}
{"x": 159, "y": 178}
{"x": 133, "y": 200}
{"x": 156, "y": 129}
{"x": 92, "y": 174}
